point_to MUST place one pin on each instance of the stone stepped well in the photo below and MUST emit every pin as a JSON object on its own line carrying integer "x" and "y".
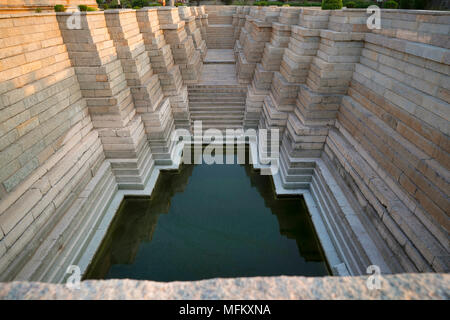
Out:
{"x": 87, "y": 115}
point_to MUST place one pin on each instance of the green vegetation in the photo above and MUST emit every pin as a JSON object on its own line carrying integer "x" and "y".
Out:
{"x": 38, "y": 10}
{"x": 134, "y": 4}
{"x": 146, "y": 3}
{"x": 59, "y": 8}
{"x": 420, "y": 4}
{"x": 357, "y": 4}
{"x": 350, "y": 4}
{"x": 331, "y": 4}
{"x": 280, "y": 3}
{"x": 391, "y": 4}
{"x": 83, "y": 8}
{"x": 138, "y": 4}
{"x": 305, "y": 4}
{"x": 406, "y": 4}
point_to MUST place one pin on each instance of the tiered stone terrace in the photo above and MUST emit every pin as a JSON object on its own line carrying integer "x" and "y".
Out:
{"x": 87, "y": 115}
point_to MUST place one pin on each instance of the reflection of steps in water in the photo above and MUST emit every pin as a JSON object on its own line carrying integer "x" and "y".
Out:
{"x": 136, "y": 221}
{"x": 168, "y": 184}
{"x": 121, "y": 245}
{"x": 294, "y": 224}
{"x": 138, "y": 224}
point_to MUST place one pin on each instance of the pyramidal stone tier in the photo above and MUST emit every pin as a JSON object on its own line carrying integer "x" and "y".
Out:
{"x": 164, "y": 66}
{"x": 184, "y": 53}
{"x": 189, "y": 17}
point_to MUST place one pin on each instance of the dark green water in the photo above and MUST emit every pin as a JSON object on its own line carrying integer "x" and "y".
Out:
{"x": 208, "y": 221}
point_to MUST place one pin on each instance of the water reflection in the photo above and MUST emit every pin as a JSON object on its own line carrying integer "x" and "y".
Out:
{"x": 207, "y": 221}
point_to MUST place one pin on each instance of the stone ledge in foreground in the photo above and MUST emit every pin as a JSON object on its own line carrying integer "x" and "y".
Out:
{"x": 399, "y": 286}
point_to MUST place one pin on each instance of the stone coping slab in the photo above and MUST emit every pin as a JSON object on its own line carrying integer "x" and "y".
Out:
{"x": 393, "y": 287}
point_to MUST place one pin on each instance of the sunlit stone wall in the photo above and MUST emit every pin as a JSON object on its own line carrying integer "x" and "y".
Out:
{"x": 82, "y": 113}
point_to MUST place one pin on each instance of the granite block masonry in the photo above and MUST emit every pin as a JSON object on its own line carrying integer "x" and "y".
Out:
{"x": 363, "y": 117}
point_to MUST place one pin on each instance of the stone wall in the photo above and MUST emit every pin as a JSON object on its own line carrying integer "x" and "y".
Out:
{"x": 82, "y": 114}
{"x": 396, "y": 118}
{"x": 49, "y": 150}
{"x": 372, "y": 104}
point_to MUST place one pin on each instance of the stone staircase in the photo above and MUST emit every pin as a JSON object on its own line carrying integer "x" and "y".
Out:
{"x": 220, "y": 30}
{"x": 217, "y": 106}
{"x": 220, "y": 36}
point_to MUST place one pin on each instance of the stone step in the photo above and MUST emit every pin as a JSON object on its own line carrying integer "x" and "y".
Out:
{"x": 99, "y": 190}
{"x": 217, "y": 117}
{"x": 218, "y": 109}
{"x": 217, "y": 88}
{"x": 215, "y": 105}
{"x": 77, "y": 244}
{"x": 222, "y": 127}
{"x": 221, "y": 120}
{"x": 217, "y": 91}
{"x": 418, "y": 236}
{"x": 217, "y": 101}
{"x": 218, "y": 62}
{"x": 212, "y": 97}
{"x": 221, "y": 113}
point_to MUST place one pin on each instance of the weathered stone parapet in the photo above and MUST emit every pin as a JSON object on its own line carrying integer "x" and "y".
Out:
{"x": 393, "y": 287}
